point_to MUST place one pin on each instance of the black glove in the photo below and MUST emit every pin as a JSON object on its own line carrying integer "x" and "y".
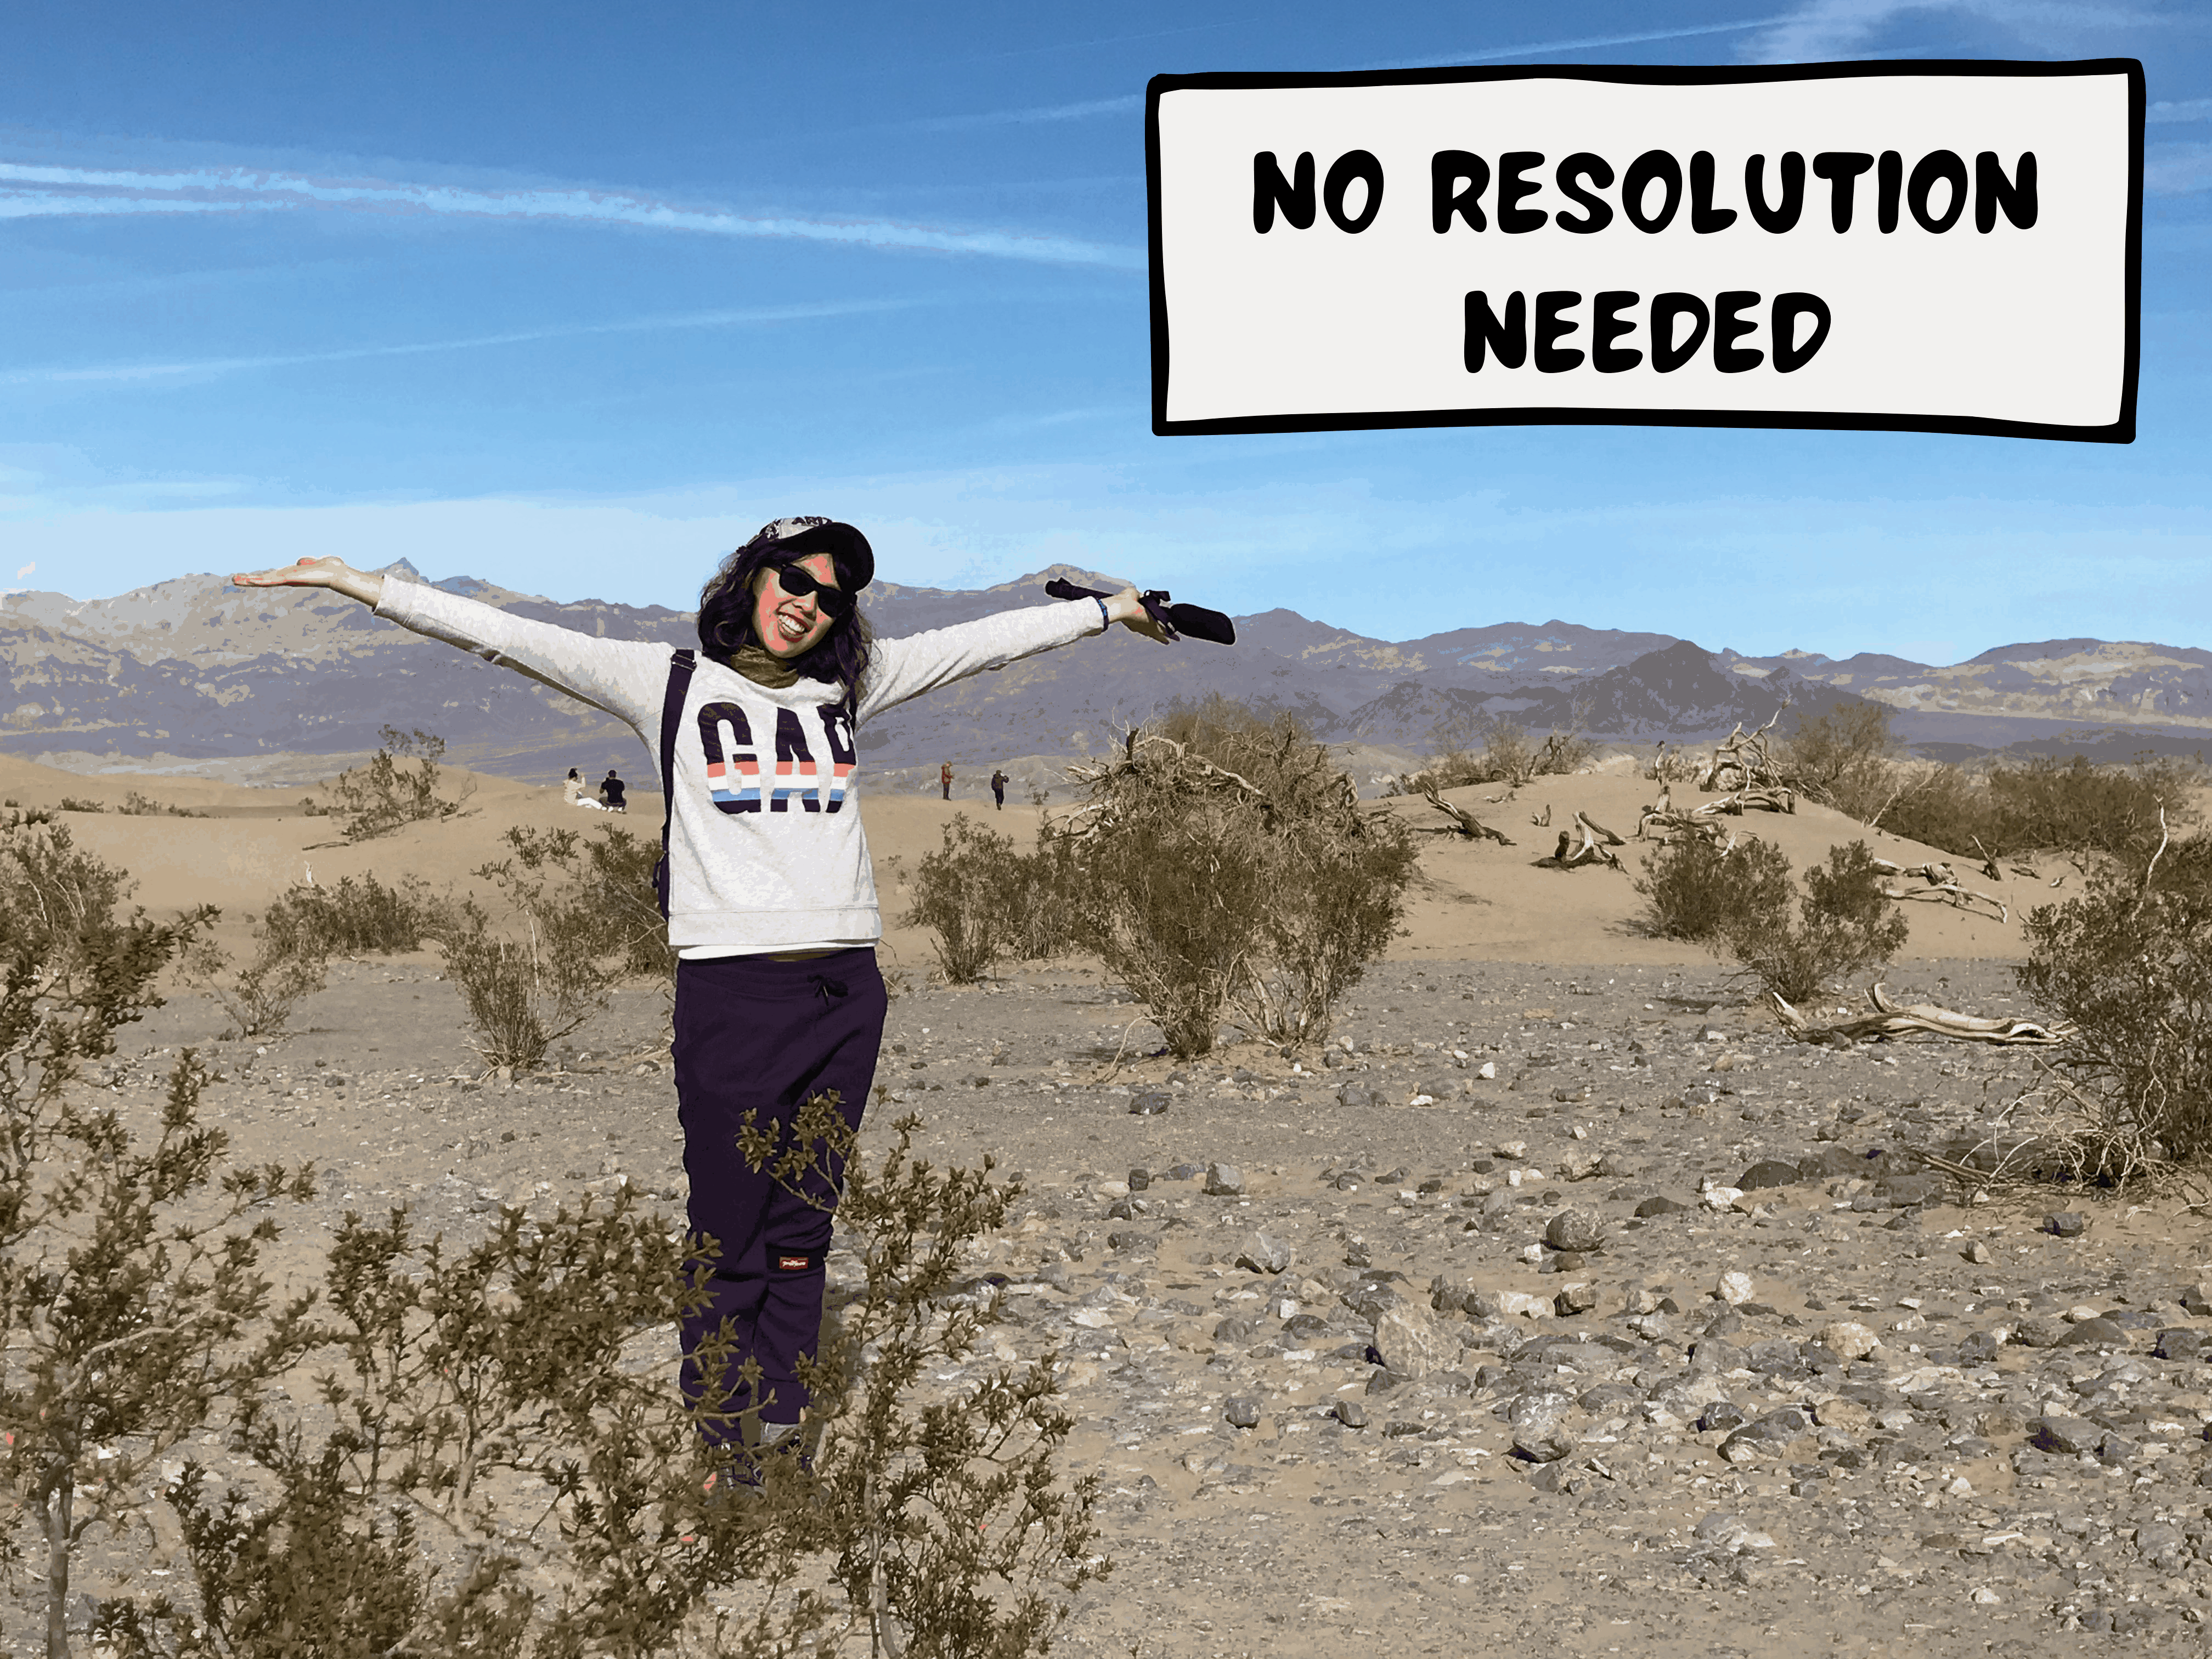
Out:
{"x": 1195, "y": 620}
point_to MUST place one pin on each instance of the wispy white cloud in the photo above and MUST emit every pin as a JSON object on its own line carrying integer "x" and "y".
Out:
{"x": 27, "y": 569}
{"x": 1588, "y": 43}
{"x": 1824, "y": 29}
{"x": 202, "y": 368}
{"x": 43, "y": 204}
{"x": 2178, "y": 169}
{"x": 213, "y": 190}
{"x": 2187, "y": 109}
{"x": 1133, "y": 102}
{"x": 1006, "y": 117}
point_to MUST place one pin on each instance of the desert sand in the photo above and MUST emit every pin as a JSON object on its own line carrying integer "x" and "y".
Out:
{"x": 1912, "y": 1426}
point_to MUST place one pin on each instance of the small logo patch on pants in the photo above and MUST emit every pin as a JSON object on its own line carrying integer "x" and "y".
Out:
{"x": 794, "y": 1264}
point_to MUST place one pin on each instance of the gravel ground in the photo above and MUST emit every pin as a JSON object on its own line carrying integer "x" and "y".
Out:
{"x": 1341, "y": 1379}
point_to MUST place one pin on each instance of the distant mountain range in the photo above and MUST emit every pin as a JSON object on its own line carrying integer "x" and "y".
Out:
{"x": 281, "y": 687}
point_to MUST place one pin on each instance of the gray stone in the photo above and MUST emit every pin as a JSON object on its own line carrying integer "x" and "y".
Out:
{"x": 2099, "y": 1332}
{"x": 1411, "y": 1343}
{"x": 1659, "y": 1205}
{"x": 1263, "y": 1253}
{"x": 1357, "y": 1097}
{"x": 1575, "y": 1230}
{"x": 1907, "y": 1192}
{"x": 2180, "y": 1342}
{"x": 1152, "y": 1102}
{"x": 1140, "y": 1180}
{"x": 1575, "y": 1299}
{"x": 1720, "y": 1414}
{"x": 1831, "y": 1164}
{"x": 1240, "y": 1410}
{"x": 1352, "y": 1414}
{"x": 1224, "y": 1180}
{"x": 2068, "y": 1223}
{"x": 2040, "y": 1331}
{"x": 1233, "y": 1330}
{"x": 1768, "y": 1172}
{"x": 2066, "y": 1436}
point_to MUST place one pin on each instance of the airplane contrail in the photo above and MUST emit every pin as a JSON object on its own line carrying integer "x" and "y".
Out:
{"x": 219, "y": 190}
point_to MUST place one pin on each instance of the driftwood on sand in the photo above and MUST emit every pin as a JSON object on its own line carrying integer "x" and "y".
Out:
{"x": 1941, "y": 886}
{"x": 1588, "y": 842}
{"x": 1888, "y": 1019}
{"x": 1463, "y": 823}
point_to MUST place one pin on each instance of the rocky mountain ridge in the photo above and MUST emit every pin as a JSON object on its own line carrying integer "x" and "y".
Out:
{"x": 287, "y": 686}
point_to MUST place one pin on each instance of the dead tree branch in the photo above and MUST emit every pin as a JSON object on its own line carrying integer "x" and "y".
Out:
{"x": 1463, "y": 823}
{"x": 1887, "y": 1019}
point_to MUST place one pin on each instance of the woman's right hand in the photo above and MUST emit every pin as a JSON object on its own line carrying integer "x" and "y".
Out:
{"x": 329, "y": 571}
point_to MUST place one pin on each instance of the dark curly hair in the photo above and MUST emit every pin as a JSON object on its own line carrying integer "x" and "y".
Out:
{"x": 726, "y": 616}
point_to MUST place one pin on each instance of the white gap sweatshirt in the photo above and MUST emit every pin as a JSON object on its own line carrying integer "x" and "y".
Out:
{"x": 766, "y": 852}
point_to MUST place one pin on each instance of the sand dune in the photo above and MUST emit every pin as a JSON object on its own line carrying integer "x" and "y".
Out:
{"x": 1481, "y": 902}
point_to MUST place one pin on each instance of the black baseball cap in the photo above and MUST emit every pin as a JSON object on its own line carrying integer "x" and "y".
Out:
{"x": 812, "y": 533}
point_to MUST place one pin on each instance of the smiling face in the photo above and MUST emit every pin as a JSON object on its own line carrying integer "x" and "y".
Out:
{"x": 788, "y": 627}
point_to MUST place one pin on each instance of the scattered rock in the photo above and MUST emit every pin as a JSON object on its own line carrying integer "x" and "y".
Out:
{"x": 1658, "y": 1205}
{"x": 1351, "y": 1414}
{"x": 1768, "y": 1172}
{"x": 1575, "y": 1230}
{"x": 2066, "y": 1436}
{"x": 1262, "y": 1253}
{"x": 1240, "y": 1410}
{"x": 2068, "y": 1223}
{"x": 1411, "y": 1343}
{"x": 1848, "y": 1340}
{"x": 1150, "y": 1104}
{"x": 1734, "y": 1288}
{"x": 1575, "y": 1299}
{"x": 1224, "y": 1180}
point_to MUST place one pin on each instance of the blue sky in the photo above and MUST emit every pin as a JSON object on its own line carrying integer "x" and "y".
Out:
{"x": 574, "y": 297}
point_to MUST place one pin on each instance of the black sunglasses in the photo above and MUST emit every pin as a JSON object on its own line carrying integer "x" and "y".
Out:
{"x": 799, "y": 581}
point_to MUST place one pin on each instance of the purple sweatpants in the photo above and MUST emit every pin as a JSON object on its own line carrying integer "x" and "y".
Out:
{"x": 759, "y": 1035}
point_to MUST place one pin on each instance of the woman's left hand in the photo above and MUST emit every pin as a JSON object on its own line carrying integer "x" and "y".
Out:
{"x": 1126, "y": 608}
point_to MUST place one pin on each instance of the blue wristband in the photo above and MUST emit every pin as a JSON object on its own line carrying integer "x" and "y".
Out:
{"x": 1105, "y": 621}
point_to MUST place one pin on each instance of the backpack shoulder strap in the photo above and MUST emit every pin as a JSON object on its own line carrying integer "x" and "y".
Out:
{"x": 680, "y": 665}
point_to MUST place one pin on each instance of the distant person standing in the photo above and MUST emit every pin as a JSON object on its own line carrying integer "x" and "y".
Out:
{"x": 999, "y": 781}
{"x": 945, "y": 779}
{"x": 610, "y": 792}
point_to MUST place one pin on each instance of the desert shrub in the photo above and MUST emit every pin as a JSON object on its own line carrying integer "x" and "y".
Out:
{"x": 134, "y": 1308}
{"x": 522, "y": 994}
{"x": 987, "y": 903}
{"x": 1738, "y": 903}
{"x": 128, "y": 1269}
{"x": 259, "y": 996}
{"x": 356, "y": 917}
{"x": 587, "y": 917}
{"x": 2130, "y": 964}
{"x": 73, "y": 971}
{"x": 2072, "y": 807}
{"x": 517, "y": 1398}
{"x": 1947, "y": 806}
{"x": 2076, "y": 806}
{"x": 1236, "y": 867}
{"x": 137, "y": 805}
{"x": 595, "y": 892}
{"x": 963, "y": 893}
{"x": 1843, "y": 758}
{"x": 1470, "y": 747}
{"x": 1698, "y": 890}
{"x": 383, "y": 794}
{"x": 1844, "y": 926}
{"x": 71, "y": 804}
